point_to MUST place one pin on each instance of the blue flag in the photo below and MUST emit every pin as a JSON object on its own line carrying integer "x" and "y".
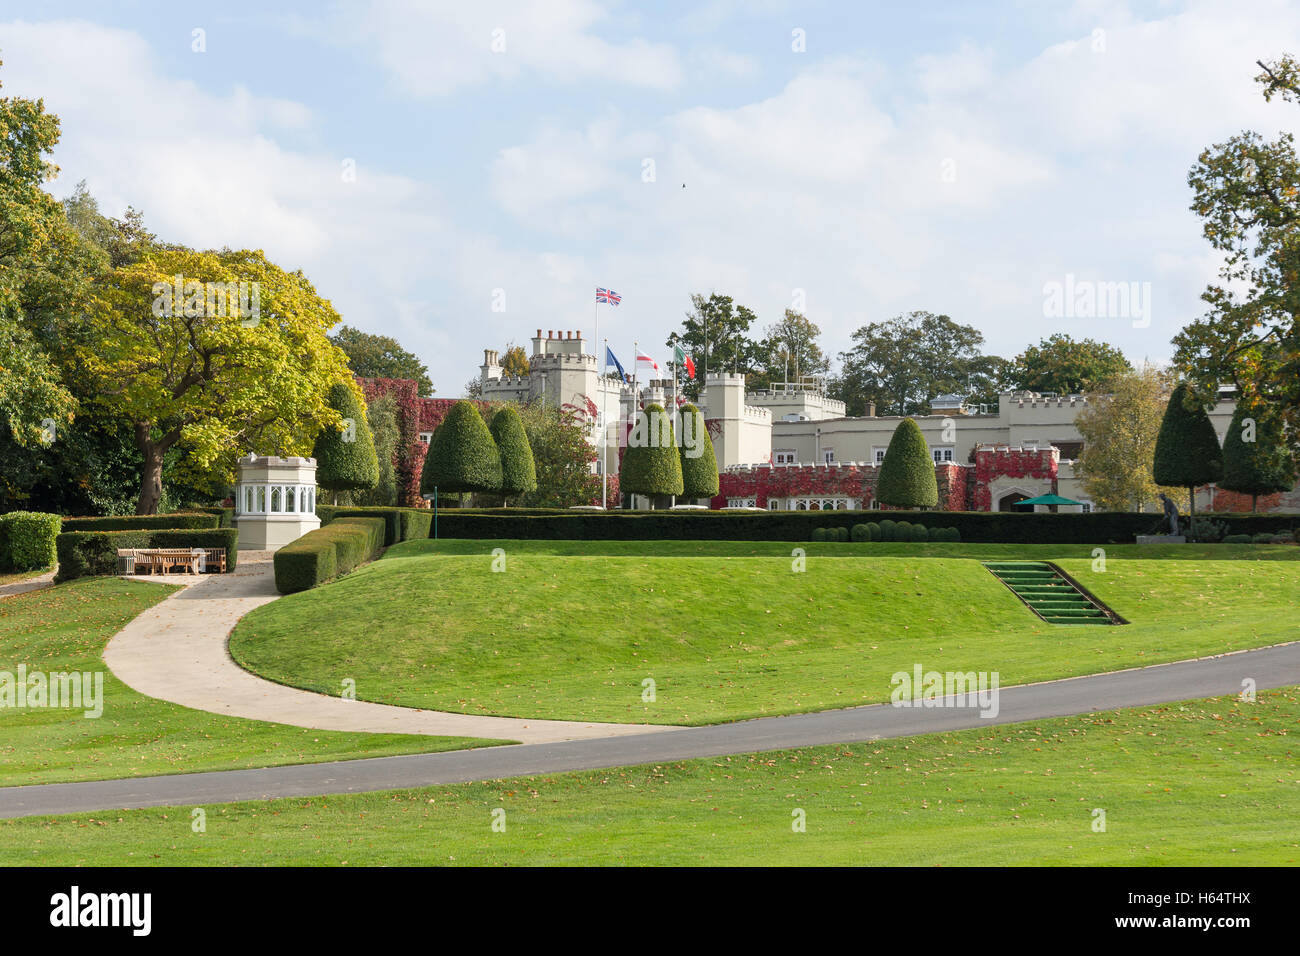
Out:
{"x": 609, "y": 357}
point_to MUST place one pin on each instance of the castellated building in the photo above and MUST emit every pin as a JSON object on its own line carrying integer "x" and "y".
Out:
{"x": 791, "y": 447}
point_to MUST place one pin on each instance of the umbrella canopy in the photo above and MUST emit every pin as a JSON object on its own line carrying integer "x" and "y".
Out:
{"x": 1049, "y": 500}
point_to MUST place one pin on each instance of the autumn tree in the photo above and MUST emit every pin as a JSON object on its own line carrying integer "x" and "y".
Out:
{"x": 791, "y": 348}
{"x": 1119, "y": 424}
{"x": 213, "y": 368}
{"x": 1246, "y": 190}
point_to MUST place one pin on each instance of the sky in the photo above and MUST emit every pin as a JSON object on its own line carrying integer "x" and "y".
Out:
{"x": 458, "y": 175}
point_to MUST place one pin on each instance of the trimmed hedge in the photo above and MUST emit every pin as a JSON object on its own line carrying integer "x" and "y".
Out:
{"x": 400, "y": 524}
{"x": 1098, "y": 527}
{"x": 179, "y": 519}
{"x": 328, "y": 552}
{"x": 27, "y": 540}
{"x": 518, "y": 469}
{"x": 652, "y": 465}
{"x": 83, "y": 553}
{"x": 907, "y": 474}
{"x": 341, "y": 464}
{"x": 462, "y": 454}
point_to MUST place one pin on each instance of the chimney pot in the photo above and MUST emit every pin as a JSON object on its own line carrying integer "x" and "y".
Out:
{"x": 539, "y": 333}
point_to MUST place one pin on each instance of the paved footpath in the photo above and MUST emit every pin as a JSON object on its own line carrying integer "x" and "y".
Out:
{"x": 177, "y": 651}
{"x": 1277, "y": 666}
{"x": 45, "y": 580}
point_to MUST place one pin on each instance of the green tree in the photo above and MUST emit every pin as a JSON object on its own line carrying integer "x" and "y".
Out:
{"x": 900, "y": 364}
{"x": 906, "y": 476}
{"x": 699, "y": 462}
{"x": 716, "y": 333}
{"x": 35, "y": 240}
{"x": 1119, "y": 424}
{"x": 462, "y": 456}
{"x": 345, "y": 456}
{"x": 652, "y": 465}
{"x": 1065, "y": 366}
{"x": 791, "y": 348}
{"x": 563, "y": 457}
{"x": 385, "y": 429}
{"x": 211, "y": 371}
{"x": 1246, "y": 191}
{"x": 1187, "y": 450}
{"x": 1255, "y": 457}
{"x": 518, "y": 470}
{"x": 381, "y": 356}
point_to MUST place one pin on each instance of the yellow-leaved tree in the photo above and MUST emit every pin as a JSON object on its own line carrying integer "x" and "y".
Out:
{"x": 214, "y": 354}
{"x": 1119, "y": 426}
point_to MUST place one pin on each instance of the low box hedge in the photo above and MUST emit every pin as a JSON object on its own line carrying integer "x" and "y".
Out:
{"x": 83, "y": 553}
{"x": 1099, "y": 527}
{"x": 328, "y": 552}
{"x": 177, "y": 519}
{"x": 27, "y": 540}
{"x": 400, "y": 524}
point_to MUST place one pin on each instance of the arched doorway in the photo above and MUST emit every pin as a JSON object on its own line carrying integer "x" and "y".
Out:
{"x": 1009, "y": 501}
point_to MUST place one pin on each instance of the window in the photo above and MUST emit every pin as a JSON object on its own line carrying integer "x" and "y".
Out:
{"x": 275, "y": 499}
{"x": 740, "y": 503}
{"x": 941, "y": 454}
{"x": 828, "y": 455}
{"x": 875, "y": 505}
{"x": 288, "y": 500}
{"x": 426, "y": 437}
{"x": 878, "y": 455}
{"x": 1087, "y": 507}
{"x": 261, "y": 499}
{"x": 786, "y": 457}
{"x": 773, "y": 504}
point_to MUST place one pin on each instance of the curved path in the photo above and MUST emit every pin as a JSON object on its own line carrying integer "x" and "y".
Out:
{"x": 177, "y": 651}
{"x": 38, "y": 583}
{"x": 1277, "y": 666}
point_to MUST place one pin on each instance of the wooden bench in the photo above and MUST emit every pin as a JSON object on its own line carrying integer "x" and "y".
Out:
{"x": 193, "y": 560}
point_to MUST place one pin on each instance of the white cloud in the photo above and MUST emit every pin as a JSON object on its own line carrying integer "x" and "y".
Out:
{"x": 434, "y": 49}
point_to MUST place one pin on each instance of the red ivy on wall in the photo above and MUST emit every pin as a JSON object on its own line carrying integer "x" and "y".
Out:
{"x": 1006, "y": 462}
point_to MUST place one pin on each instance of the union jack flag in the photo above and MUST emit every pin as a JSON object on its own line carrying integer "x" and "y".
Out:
{"x": 608, "y": 295}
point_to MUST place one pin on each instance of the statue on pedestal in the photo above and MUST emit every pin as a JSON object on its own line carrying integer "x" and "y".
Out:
{"x": 1171, "y": 512}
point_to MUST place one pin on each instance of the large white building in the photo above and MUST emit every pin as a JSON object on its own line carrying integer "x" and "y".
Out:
{"x": 791, "y": 447}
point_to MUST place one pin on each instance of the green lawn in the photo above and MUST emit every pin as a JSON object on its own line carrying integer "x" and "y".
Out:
{"x": 726, "y": 630}
{"x": 65, "y": 629}
{"x": 1208, "y": 783}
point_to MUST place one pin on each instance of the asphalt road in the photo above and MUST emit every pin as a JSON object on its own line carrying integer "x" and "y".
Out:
{"x": 1269, "y": 667}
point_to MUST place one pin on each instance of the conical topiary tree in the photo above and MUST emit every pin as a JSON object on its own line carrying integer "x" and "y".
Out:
{"x": 699, "y": 464}
{"x": 651, "y": 463}
{"x": 907, "y": 474}
{"x": 1187, "y": 450}
{"x": 345, "y": 458}
{"x": 462, "y": 456}
{"x": 518, "y": 470}
{"x": 1255, "y": 457}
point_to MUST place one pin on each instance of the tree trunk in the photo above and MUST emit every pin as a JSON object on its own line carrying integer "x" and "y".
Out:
{"x": 150, "y": 482}
{"x": 1254, "y": 503}
{"x": 1191, "y": 510}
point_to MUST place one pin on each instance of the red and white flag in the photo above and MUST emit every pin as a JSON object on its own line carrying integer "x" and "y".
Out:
{"x": 646, "y": 363}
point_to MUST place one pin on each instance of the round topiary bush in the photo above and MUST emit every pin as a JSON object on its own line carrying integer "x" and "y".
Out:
{"x": 462, "y": 455}
{"x": 860, "y": 533}
{"x": 903, "y": 531}
{"x": 920, "y": 532}
{"x": 888, "y": 530}
{"x": 819, "y": 534}
{"x": 873, "y": 531}
{"x": 954, "y": 534}
{"x": 652, "y": 465}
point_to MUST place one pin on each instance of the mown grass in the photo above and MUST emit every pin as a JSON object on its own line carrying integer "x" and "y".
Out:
{"x": 65, "y": 629}
{"x": 728, "y": 630}
{"x": 1207, "y": 783}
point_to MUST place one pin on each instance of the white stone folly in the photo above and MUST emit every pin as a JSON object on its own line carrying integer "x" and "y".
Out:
{"x": 275, "y": 501}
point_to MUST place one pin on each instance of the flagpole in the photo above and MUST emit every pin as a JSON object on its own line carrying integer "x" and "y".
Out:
{"x": 636, "y": 363}
{"x": 604, "y": 428}
{"x": 602, "y": 410}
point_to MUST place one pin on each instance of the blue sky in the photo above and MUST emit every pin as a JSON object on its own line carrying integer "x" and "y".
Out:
{"x": 950, "y": 157}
